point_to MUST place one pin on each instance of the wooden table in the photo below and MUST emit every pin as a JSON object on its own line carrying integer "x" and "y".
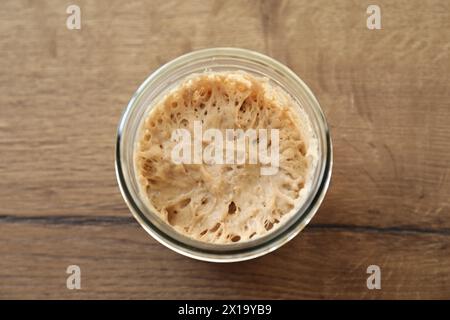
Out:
{"x": 385, "y": 92}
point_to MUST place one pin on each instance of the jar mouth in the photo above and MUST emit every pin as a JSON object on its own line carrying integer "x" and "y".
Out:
{"x": 170, "y": 74}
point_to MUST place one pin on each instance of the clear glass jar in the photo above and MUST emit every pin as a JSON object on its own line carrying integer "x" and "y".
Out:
{"x": 168, "y": 76}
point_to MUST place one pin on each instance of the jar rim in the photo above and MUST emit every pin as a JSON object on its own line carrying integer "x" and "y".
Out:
{"x": 225, "y": 255}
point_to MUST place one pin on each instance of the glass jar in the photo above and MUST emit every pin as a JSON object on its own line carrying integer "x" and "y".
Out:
{"x": 167, "y": 77}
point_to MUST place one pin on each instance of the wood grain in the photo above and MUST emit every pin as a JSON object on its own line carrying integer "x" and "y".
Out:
{"x": 385, "y": 93}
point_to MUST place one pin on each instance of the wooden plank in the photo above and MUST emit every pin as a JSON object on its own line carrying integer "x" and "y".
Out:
{"x": 119, "y": 260}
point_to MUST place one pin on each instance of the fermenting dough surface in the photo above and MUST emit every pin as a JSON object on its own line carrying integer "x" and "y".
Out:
{"x": 224, "y": 203}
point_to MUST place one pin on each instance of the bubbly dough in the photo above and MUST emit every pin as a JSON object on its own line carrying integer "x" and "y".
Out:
{"x": 224, "y": 203}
